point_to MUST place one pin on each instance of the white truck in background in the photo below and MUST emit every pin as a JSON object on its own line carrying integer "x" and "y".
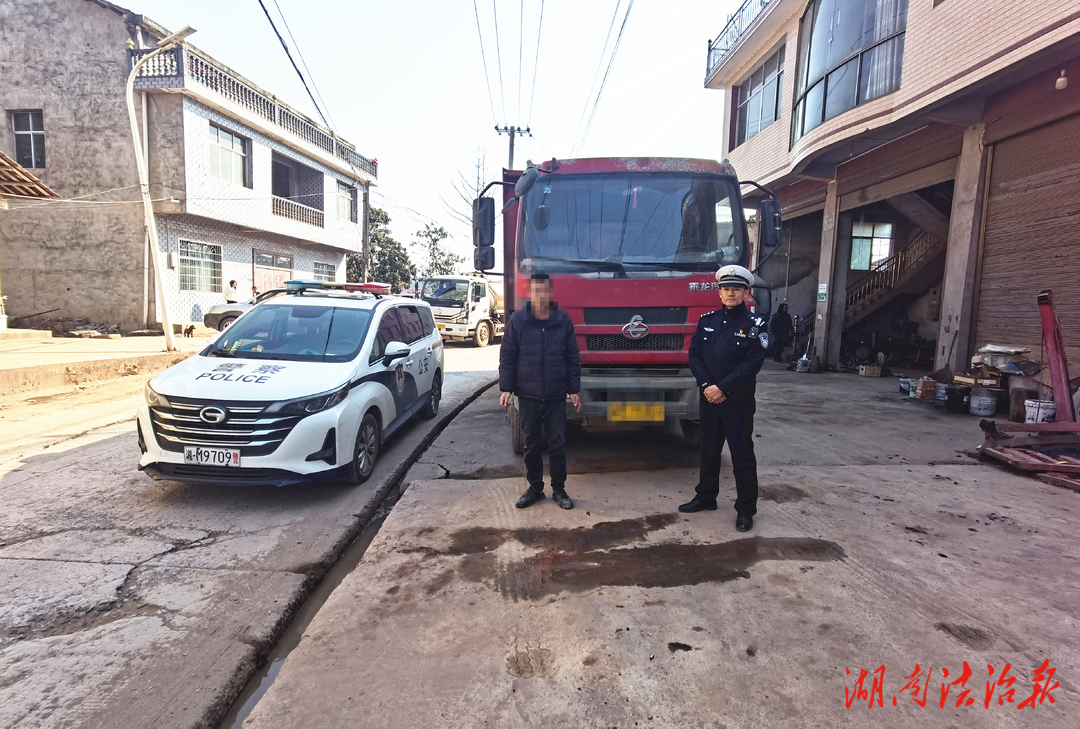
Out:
{"x": 468, "y": 306}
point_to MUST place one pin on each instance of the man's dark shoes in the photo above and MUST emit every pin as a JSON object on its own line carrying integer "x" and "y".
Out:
{"x": 530, "y": 497}
{"x": 560, "y": 498}
{"x": 744, "y": 523}
{"x": 697, "y": 504}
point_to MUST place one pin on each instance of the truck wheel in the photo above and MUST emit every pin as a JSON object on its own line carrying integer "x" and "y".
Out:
{"x": 517, "y": 428}
{"x": 483, "y": 334}
{"x": 691, "y": 431}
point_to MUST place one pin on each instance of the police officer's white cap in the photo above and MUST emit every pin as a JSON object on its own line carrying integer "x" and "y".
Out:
{"x": 735, "y": 276}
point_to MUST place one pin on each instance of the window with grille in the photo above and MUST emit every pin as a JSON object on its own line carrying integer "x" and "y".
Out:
{"x": 29, "y": 129}
{"x": 871, "y": 243}
{"x": 228, "y": 156}
{"x": 325, "y": 272}
{"x": 346, "y": 202}
{"x": 760, "y": 98}
{"x": 200, "y": 266}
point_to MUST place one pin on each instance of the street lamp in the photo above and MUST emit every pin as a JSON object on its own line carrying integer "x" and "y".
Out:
{"x": 165, "y": 44}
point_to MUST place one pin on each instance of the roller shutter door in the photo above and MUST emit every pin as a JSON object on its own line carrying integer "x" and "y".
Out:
{"x": 1032, "y": 238}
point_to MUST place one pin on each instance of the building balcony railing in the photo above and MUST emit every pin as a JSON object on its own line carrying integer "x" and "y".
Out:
{"x": 293, "y": 210}
{"x": 183, "y": 68}
{"x": 736, "y": 27}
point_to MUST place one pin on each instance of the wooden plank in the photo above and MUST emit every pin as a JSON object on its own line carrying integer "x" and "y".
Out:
{"x": 1027, "y": 460}
{"x": 1000, "y": 440}
{"x": 1037, "y": 427}
{"x": 1057, "y": 479}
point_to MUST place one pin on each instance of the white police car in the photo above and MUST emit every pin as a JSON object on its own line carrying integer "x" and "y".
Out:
{"x": 306, "y": 385}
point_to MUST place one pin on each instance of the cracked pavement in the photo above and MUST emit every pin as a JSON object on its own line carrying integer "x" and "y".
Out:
{"x": 127, "y": 601}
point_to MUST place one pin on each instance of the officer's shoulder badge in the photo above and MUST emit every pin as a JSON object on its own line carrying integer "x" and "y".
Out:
{"x": 763, "y": 337}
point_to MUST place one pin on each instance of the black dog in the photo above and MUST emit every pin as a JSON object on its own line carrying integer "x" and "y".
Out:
{"x": 189, "y": 331}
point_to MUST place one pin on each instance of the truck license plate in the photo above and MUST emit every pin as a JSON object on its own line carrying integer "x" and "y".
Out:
{"x": 211, "y": 456}
{"x": 636, "y": 412}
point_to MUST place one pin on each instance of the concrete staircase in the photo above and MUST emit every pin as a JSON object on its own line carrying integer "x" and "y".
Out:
{"x": 912, "y": 269}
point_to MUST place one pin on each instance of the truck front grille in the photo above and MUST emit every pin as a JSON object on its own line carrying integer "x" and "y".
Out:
{"x": 648, "y": 343}
{"x": 654, "y": 315}
{"x": 244, "y": 427}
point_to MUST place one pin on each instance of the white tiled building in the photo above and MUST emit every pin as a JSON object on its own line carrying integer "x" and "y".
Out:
{"x": 245, "y": 188}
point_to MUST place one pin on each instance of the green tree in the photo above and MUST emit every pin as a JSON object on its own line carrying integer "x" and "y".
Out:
{"x": 437, "y": 260}
{"x": 390, "y": 262}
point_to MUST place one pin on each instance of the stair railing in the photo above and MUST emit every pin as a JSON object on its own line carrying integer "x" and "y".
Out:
{"x": 888, "y": 273}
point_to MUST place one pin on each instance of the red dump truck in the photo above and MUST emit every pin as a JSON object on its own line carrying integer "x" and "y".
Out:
{"x": 632, "y": 246}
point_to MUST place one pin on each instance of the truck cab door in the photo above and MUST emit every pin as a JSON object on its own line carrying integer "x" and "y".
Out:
{"x": 480, "y": 303}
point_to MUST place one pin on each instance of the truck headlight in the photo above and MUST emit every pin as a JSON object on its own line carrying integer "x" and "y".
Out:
{"x": 155, "y": 399}
{"x": 313, "y": 404}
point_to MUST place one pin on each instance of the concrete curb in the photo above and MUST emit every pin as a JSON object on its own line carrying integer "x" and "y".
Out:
{"x": 23, "y": 379}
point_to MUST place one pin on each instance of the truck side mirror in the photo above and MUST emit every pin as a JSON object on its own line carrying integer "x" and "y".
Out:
{"x": 484, "y": 233}
{"x": 771, "y": 224}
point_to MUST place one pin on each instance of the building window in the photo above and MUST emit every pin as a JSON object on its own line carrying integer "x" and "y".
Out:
{"x": 871, "y": 243}
{"x": 29, "y": 129}
{"x": 850, "y": 52}
{"x": 200, "y": 267}
{"x": 346, "y": 202}
{"x": 760, "y": 98}
{"x": 325, "y": 272}
{"x": 229, "y": 156}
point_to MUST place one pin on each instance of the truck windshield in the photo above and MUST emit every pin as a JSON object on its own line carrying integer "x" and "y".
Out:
{"x": 303, "y": 333}
{"x": 632, "y": 222}
{"x": 444, "y": 292}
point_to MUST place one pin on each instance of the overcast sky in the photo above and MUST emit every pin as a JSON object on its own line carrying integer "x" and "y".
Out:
{"x": 405, "y": 82}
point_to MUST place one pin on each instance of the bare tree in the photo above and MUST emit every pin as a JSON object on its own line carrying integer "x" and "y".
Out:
{"x": 467, "y": 183}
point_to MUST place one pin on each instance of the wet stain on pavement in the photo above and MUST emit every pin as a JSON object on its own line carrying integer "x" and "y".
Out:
{"x": 585, "y": 558}
{"x": 969, "y": 636}
{"x": 781, "y": 493}
{"x": 675, "y": 646}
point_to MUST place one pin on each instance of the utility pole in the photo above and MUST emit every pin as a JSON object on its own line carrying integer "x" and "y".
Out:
{"x": 513, "y": 131}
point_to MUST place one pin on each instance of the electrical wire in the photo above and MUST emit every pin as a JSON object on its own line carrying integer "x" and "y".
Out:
{"x": 304, "y": 62}
{"x": 521, "y": 40}
{"x": 295, "y": 67}
{"x": 536, "y": 63}
{"x": 599, "y": 65}
{"x": 498, "y": 56}
{"x": 611, "y": 62}
{"x": 487, "y": 79}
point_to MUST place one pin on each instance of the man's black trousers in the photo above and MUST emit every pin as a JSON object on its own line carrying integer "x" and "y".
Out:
{"x": 733, "y": 421}
{"x": 544, "y": 419}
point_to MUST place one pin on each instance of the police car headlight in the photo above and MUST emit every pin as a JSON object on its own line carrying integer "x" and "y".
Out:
{"x": 309, "y": 405}
{"x": 155, "y": 399}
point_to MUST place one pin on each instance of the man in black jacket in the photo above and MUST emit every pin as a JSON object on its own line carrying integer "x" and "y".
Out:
{"x": 726, "y": 354}
{"x": 539, "y": 362}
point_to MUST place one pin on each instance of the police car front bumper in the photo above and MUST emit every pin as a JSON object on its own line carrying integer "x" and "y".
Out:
{"x": 293, "y": 461}
{"x": 678, "y": 393}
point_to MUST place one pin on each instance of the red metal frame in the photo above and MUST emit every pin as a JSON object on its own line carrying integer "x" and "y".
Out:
{"x": 1055, "y": 355}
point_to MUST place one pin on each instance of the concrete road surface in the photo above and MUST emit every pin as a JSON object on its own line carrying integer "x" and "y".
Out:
{"x": 131, "y": 602}
{"x": 876, "y": 544}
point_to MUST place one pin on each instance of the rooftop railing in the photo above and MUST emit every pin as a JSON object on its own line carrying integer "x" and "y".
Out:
{"x": 736, "y": 26}
{"x": 182, "y": 68}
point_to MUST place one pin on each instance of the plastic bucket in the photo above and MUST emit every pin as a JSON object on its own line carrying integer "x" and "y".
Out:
{"x": 940, "y": 394}
{"x": 1039, "y": 411}
{"x": 983, "y": 402}
{"x": 905, "y": 385}
{"x": 956, "y": 398}
{"x": 802, "y": 365}
{"x": 913, "y": 389}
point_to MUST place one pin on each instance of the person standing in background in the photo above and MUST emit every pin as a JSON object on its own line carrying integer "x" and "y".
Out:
{"x": 231, "y": 296}
{"x": 781, "y": 332}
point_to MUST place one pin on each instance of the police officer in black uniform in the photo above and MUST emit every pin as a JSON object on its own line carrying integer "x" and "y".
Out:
{"x": 726, "y": 354}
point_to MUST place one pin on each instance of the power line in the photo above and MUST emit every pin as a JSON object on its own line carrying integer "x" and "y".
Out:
{"x": 611, "y": 62}
{"x": 521, "y": 40}
{"x": 484, "y": 59}
{"x": 599, "y": 65}
{"x": 295, "y": 67}
{"x": 532, "y": 96}
{"x": 304, "y": 61}
{"x": 498, "y": 56}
